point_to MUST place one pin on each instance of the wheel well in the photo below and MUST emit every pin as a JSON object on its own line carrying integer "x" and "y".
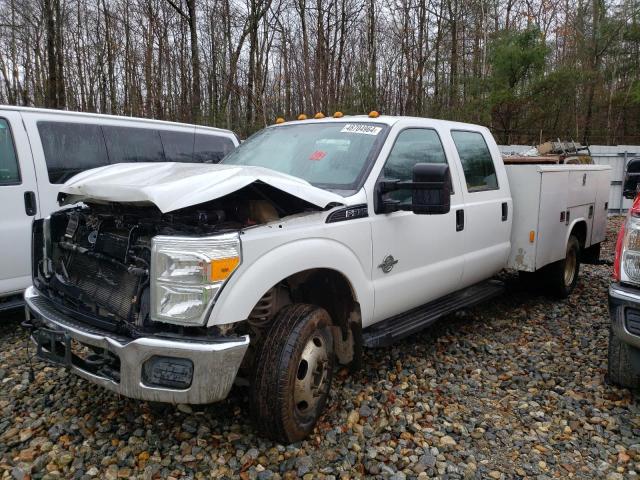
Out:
{"x": 579, "y": 230}
{"x": 325, "y": 288}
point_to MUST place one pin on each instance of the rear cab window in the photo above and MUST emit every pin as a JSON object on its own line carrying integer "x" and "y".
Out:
{"x": 9, "y": 170}
{"x": 477, "y": 162}
{"x": 211, "y": 148}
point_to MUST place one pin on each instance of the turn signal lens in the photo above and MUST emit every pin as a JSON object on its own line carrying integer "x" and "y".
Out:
{"x": 302, "y": 116}
{"x": 221, "y": 268}
{"x": 373, "y": 114}
{"x": 338, "y": 115}
{"x": 318, "y": 115}
{"x": 279, "y": 120}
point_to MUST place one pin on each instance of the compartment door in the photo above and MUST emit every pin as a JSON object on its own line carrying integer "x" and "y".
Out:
{"x": 552, "y": 224}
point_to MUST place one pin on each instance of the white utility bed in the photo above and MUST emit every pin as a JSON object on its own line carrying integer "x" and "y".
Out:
{"x": 550, "y": 201}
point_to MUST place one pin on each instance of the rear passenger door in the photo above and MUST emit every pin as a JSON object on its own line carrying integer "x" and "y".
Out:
{"x": 19, "y": 201}
{"x": 487, "y": 209}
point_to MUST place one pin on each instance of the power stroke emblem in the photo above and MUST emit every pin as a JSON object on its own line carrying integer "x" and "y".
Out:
{"x": 388, "y": 263}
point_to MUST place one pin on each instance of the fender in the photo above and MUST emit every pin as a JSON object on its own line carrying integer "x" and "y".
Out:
{"x": 247, "y": 286}
{"x": 574, "y": 222}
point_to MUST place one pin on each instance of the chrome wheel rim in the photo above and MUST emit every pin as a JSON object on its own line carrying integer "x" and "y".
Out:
{"x": 570, "y": 267}
{"x": 312, "y": 374}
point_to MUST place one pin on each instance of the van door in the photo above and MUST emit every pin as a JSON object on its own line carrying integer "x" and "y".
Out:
{"x": 416, "y": 258}
{"x": 19, "y": 200}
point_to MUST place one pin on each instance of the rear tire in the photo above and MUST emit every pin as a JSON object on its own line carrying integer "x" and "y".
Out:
{"x": 621, "y": 369}
{"x": 562, "y": 276}
{"x": 293, "y": 373}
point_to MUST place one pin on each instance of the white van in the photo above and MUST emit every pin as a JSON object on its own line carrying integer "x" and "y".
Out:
{"x": 41, "y": 149}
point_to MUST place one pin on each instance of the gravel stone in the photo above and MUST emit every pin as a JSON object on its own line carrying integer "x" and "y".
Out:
{"x": 513, "y": 388}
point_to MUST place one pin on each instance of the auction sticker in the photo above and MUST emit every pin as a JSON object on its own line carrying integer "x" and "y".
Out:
{"x": 361, "y": 128}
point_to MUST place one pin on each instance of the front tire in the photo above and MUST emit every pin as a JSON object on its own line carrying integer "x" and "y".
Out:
{"x": 562, "y": 276}
{"x": 293, "y": 373}
{"x": 620, "y": 369}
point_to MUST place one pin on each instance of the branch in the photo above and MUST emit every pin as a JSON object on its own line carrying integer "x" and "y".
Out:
{"x": 178, "y": 9}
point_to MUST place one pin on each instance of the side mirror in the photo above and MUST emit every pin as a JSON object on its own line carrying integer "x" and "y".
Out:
{"x": 631, "y": 179}
{"x": 431, "y": 191}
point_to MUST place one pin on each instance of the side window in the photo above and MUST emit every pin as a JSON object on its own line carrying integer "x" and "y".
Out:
{"x": 70, "y": 148}
{"x": 414, "y": 145}
{"x": 9, "y": 172}
{"x": 211, "y": 148}
{"x": 130, "y": 144}
{"x": 477, "y": 163}
{"x": 178, "y": 146}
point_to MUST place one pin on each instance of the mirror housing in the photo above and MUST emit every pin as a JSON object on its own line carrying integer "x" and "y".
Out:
{"x": 431, "y": 191}
{"x": 631, "y": 179}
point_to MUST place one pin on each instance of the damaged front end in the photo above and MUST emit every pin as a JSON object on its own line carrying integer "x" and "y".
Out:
{"x": 122, "y": 291}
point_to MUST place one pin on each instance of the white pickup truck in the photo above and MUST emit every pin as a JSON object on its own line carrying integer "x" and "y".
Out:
{"x": 313, "y": 239}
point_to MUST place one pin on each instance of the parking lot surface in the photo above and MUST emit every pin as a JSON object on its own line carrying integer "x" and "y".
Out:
{"x": 511, "y": 389}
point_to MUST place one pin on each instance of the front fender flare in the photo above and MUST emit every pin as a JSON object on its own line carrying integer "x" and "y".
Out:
{"x": 247, "y": 286}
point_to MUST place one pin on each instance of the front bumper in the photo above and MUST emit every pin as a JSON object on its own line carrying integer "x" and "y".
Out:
{"x": 624, "y": 309}
{"x": 215, "y": 363}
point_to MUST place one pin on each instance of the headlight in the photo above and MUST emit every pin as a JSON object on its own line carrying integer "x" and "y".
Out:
{"x": 187, "y": 273}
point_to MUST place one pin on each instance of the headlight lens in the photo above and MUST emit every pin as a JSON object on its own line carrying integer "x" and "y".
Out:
{"x": 630, "y": 247}
{"x": 187, "y": 273}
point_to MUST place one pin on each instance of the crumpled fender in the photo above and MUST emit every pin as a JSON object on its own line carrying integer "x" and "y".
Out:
{"x": 247, "y": 286}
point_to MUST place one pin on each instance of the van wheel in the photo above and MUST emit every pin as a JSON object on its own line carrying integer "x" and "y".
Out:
{"x": 620, "y": 368}
{"x": 293, "y": 373}
{"x": 562, "y": 276}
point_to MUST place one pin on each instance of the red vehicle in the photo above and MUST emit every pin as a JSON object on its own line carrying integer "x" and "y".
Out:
{"x": 624, "y": 292}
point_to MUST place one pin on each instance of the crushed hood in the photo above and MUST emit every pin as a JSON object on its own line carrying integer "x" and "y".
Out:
{"x": 171, "y": 186}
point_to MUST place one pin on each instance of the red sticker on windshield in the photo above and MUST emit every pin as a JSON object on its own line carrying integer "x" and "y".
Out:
{"x": 317, "y": 155}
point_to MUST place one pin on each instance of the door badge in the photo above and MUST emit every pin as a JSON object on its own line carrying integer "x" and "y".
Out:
{"x": 388, "y": 263}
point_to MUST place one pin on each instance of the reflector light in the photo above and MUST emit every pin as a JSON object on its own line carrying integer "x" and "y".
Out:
{"x": 373, "y": 114}
{"x": 221, "y": 268}
{"x": 302, "y": 116}
{"x": 532, "y": 236}
{"x": 338, "y": 115}
{"x": 279, "y": 120}
{"x": 318, "y": 115}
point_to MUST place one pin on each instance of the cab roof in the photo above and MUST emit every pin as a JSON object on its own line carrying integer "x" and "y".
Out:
{"x": 385, "y": 119}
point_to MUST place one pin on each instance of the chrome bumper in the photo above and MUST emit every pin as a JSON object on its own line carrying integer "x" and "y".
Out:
{"x": 215, "y": 364}
{"x": 620, "y": 299}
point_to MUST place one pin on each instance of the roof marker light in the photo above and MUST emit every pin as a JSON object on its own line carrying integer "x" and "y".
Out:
{"x": 279, "y": 120}
{"x": 373, "y": 114}
{"x": 302, "y": 116}
{"x": 318, "y": 115}
{"x": 338, "y": 115}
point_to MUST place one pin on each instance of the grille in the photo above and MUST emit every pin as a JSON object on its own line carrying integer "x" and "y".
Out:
{"x": 110, "y": 286}
{"x": 633, "y": 321}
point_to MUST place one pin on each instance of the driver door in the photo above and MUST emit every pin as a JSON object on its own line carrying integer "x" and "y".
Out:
{"x": 416, "y": 258}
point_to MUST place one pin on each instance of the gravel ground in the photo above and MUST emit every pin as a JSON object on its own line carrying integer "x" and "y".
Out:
{"x": 512, "y": 389}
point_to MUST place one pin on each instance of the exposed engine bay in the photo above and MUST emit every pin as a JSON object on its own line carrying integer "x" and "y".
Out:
{"x": 93, "y": 260}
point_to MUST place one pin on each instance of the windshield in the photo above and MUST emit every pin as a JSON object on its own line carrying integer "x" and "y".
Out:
{"x": 328, "y": 155}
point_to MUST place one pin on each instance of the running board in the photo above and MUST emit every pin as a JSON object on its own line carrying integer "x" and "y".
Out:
{"x": 386, "y": 332}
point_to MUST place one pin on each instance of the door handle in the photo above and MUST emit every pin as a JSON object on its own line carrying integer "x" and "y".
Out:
{"x": 505, "y": 211}
{"x": 459, "y": 220}
{"x": 30, "y": 206}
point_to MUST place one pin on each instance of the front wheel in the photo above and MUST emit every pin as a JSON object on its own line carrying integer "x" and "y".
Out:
{"x": 293, "y": 373}
{"x": 562, "y": 276}
{"x": 621, "y": 368}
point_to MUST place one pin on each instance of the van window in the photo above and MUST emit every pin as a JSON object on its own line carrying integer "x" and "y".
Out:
{"x": 477, "y": 163}
{"x": 70, "y": 148}
{"x": 127, "y": 144}
{"x": 211, "y": 148}
{"x": 178, "y": 146}
{"x": 9, "y": 172}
